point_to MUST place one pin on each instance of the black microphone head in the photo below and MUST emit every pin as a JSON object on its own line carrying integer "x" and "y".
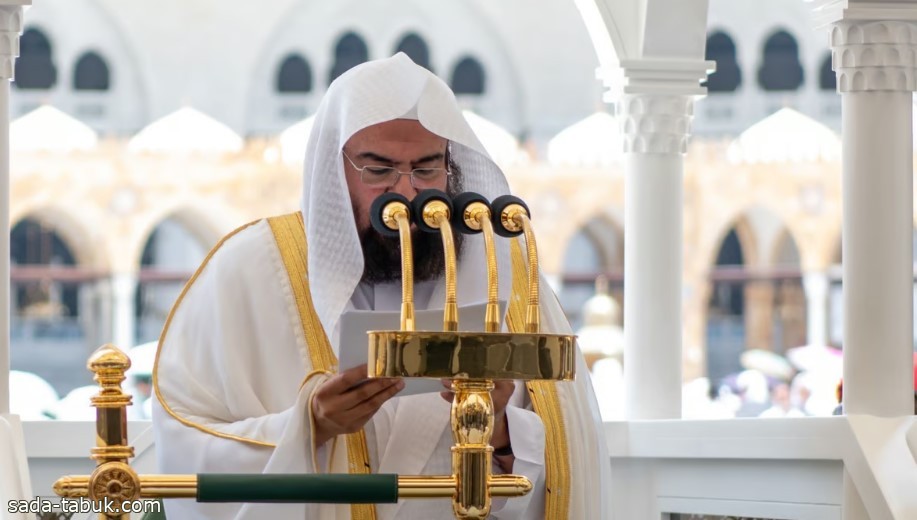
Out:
{"x": 499, "y": 204}
{"x": 460, "y": 204}
{"x": 377, "y": 209}
{"x": 421, "y": 200}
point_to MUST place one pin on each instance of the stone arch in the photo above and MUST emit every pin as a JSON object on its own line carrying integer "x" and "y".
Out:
{"x": 790, "y": 326}
{"x": 785, "y": 250}
{"x": 174, "y": 249}
{"x": 608, "y": 237}
{"x": 41, "y": 247}
{"x": 724, "y": 304}
{"x": 206, "y": 220}
{"x": 75, "y": 231}
{"x": 745, "y": 233}
{"x": 595, "y": 248}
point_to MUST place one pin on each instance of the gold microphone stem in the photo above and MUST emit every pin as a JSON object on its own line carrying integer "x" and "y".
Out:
{"x": 532, "y": 317}
{"x": 450, "y": 312}
{"x": 472, "y": 428}
{"x": 492, "y": 311}
{"x": 435, "y": 214}
{"x": 407, "y": 270}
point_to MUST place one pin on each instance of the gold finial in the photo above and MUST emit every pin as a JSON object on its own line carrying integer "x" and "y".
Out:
{"x": 109, "y": 364}
{"x": 108, "y": 357}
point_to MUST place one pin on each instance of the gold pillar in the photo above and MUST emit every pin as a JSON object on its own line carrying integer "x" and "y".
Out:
{"x": 113, "y": 479}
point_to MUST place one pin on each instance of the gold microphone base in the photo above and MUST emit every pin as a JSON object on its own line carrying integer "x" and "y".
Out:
{"x": 471, "y": 355}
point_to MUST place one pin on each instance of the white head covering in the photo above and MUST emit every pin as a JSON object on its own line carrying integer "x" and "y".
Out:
{"x": 372, "y": 93}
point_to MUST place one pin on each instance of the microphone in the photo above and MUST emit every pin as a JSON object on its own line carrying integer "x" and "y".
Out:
{"x": 511, "y": 218}
{"x": 432, "y": 210}
{"x": 472, "y": 215}
{"x": 390, "y": 215}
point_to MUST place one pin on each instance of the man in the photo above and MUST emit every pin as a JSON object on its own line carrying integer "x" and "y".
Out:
{"x": 246, "y": 378}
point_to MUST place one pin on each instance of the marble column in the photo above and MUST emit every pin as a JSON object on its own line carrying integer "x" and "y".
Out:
{"x": 124, "y": 323}
{"x": 876, "y": 76}
{"x": 655, "y": 112}
{"x": 816, "y": 285}
{"x": 10, "y": 29}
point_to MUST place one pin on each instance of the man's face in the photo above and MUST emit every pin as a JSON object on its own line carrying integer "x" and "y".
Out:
{"x": 403, "y": 144}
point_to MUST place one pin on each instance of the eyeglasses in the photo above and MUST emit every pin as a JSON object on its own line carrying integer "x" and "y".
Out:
{"x": 388, "y": 176}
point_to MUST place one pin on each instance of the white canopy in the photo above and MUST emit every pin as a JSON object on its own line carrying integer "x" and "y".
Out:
{"x": 30, "y": 395}
{"x": 502, "y": 147}
{"x": 785, "y": 136}
{"x": 186, "y": 131}
{"x": 47, "y": 129}
{"x": 593, "y": 141}
{"x": 76, "y": 405}
{"x": 293, "y": 141}
{"x": 142, "y": 359}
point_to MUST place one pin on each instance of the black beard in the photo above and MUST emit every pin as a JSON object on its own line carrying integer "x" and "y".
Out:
{"x": 382, "y": 256}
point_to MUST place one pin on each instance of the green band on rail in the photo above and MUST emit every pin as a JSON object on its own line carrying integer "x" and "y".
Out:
{"x": 327, "y": 489}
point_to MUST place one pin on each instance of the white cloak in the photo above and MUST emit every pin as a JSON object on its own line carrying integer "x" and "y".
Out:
{"x": 230, "y": 366}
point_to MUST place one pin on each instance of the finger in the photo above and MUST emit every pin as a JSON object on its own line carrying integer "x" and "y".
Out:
{"x": 369, "y": 407}
{"x": 448, "y": 396}
{"x": 341, "y": 382}
{"x": 447, "y": 383}
{"x": 354, "y": 375}
{"x": 503, "y": 391}
{"x": 367, "y": 391}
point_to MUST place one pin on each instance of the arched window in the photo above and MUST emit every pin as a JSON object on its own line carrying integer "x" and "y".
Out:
{"x": 729, "y": 297}
{"x": 781, "y": 69}
{"x": 468, "y": 77}
{"x": 349, "y": 52}
{"x": 722, "y": 50}
{"x": 726, "y": 330}
{"x": 294, "y": 75}
{"x": 827, "y": 79}
{"x": 416, "y": 49}
{"x": 91, "y": 73}
{"x": 34, "y": 68}
{"x": 170, "y": 256}
{"x": 33, "y": 243}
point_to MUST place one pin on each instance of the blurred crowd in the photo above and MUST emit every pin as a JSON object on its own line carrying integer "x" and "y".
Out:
{"x": 34, "y": 399}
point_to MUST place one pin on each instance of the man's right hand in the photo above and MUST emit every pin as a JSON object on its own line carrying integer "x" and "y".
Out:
{"x": 338, "y": 406}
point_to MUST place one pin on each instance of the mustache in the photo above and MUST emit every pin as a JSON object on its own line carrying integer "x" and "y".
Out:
{"x": 382, "y": 256}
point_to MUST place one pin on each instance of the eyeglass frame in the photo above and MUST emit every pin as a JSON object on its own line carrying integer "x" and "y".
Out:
{"x": 396, "y": 170}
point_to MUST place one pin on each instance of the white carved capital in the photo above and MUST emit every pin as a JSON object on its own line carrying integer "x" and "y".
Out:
{"x": 656, "y": 76}
{"x": 827, "y": 12}
{"x": 10, "y": 29}
{"x": 655, "y": 123}
{"x": 871, "y": 56}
